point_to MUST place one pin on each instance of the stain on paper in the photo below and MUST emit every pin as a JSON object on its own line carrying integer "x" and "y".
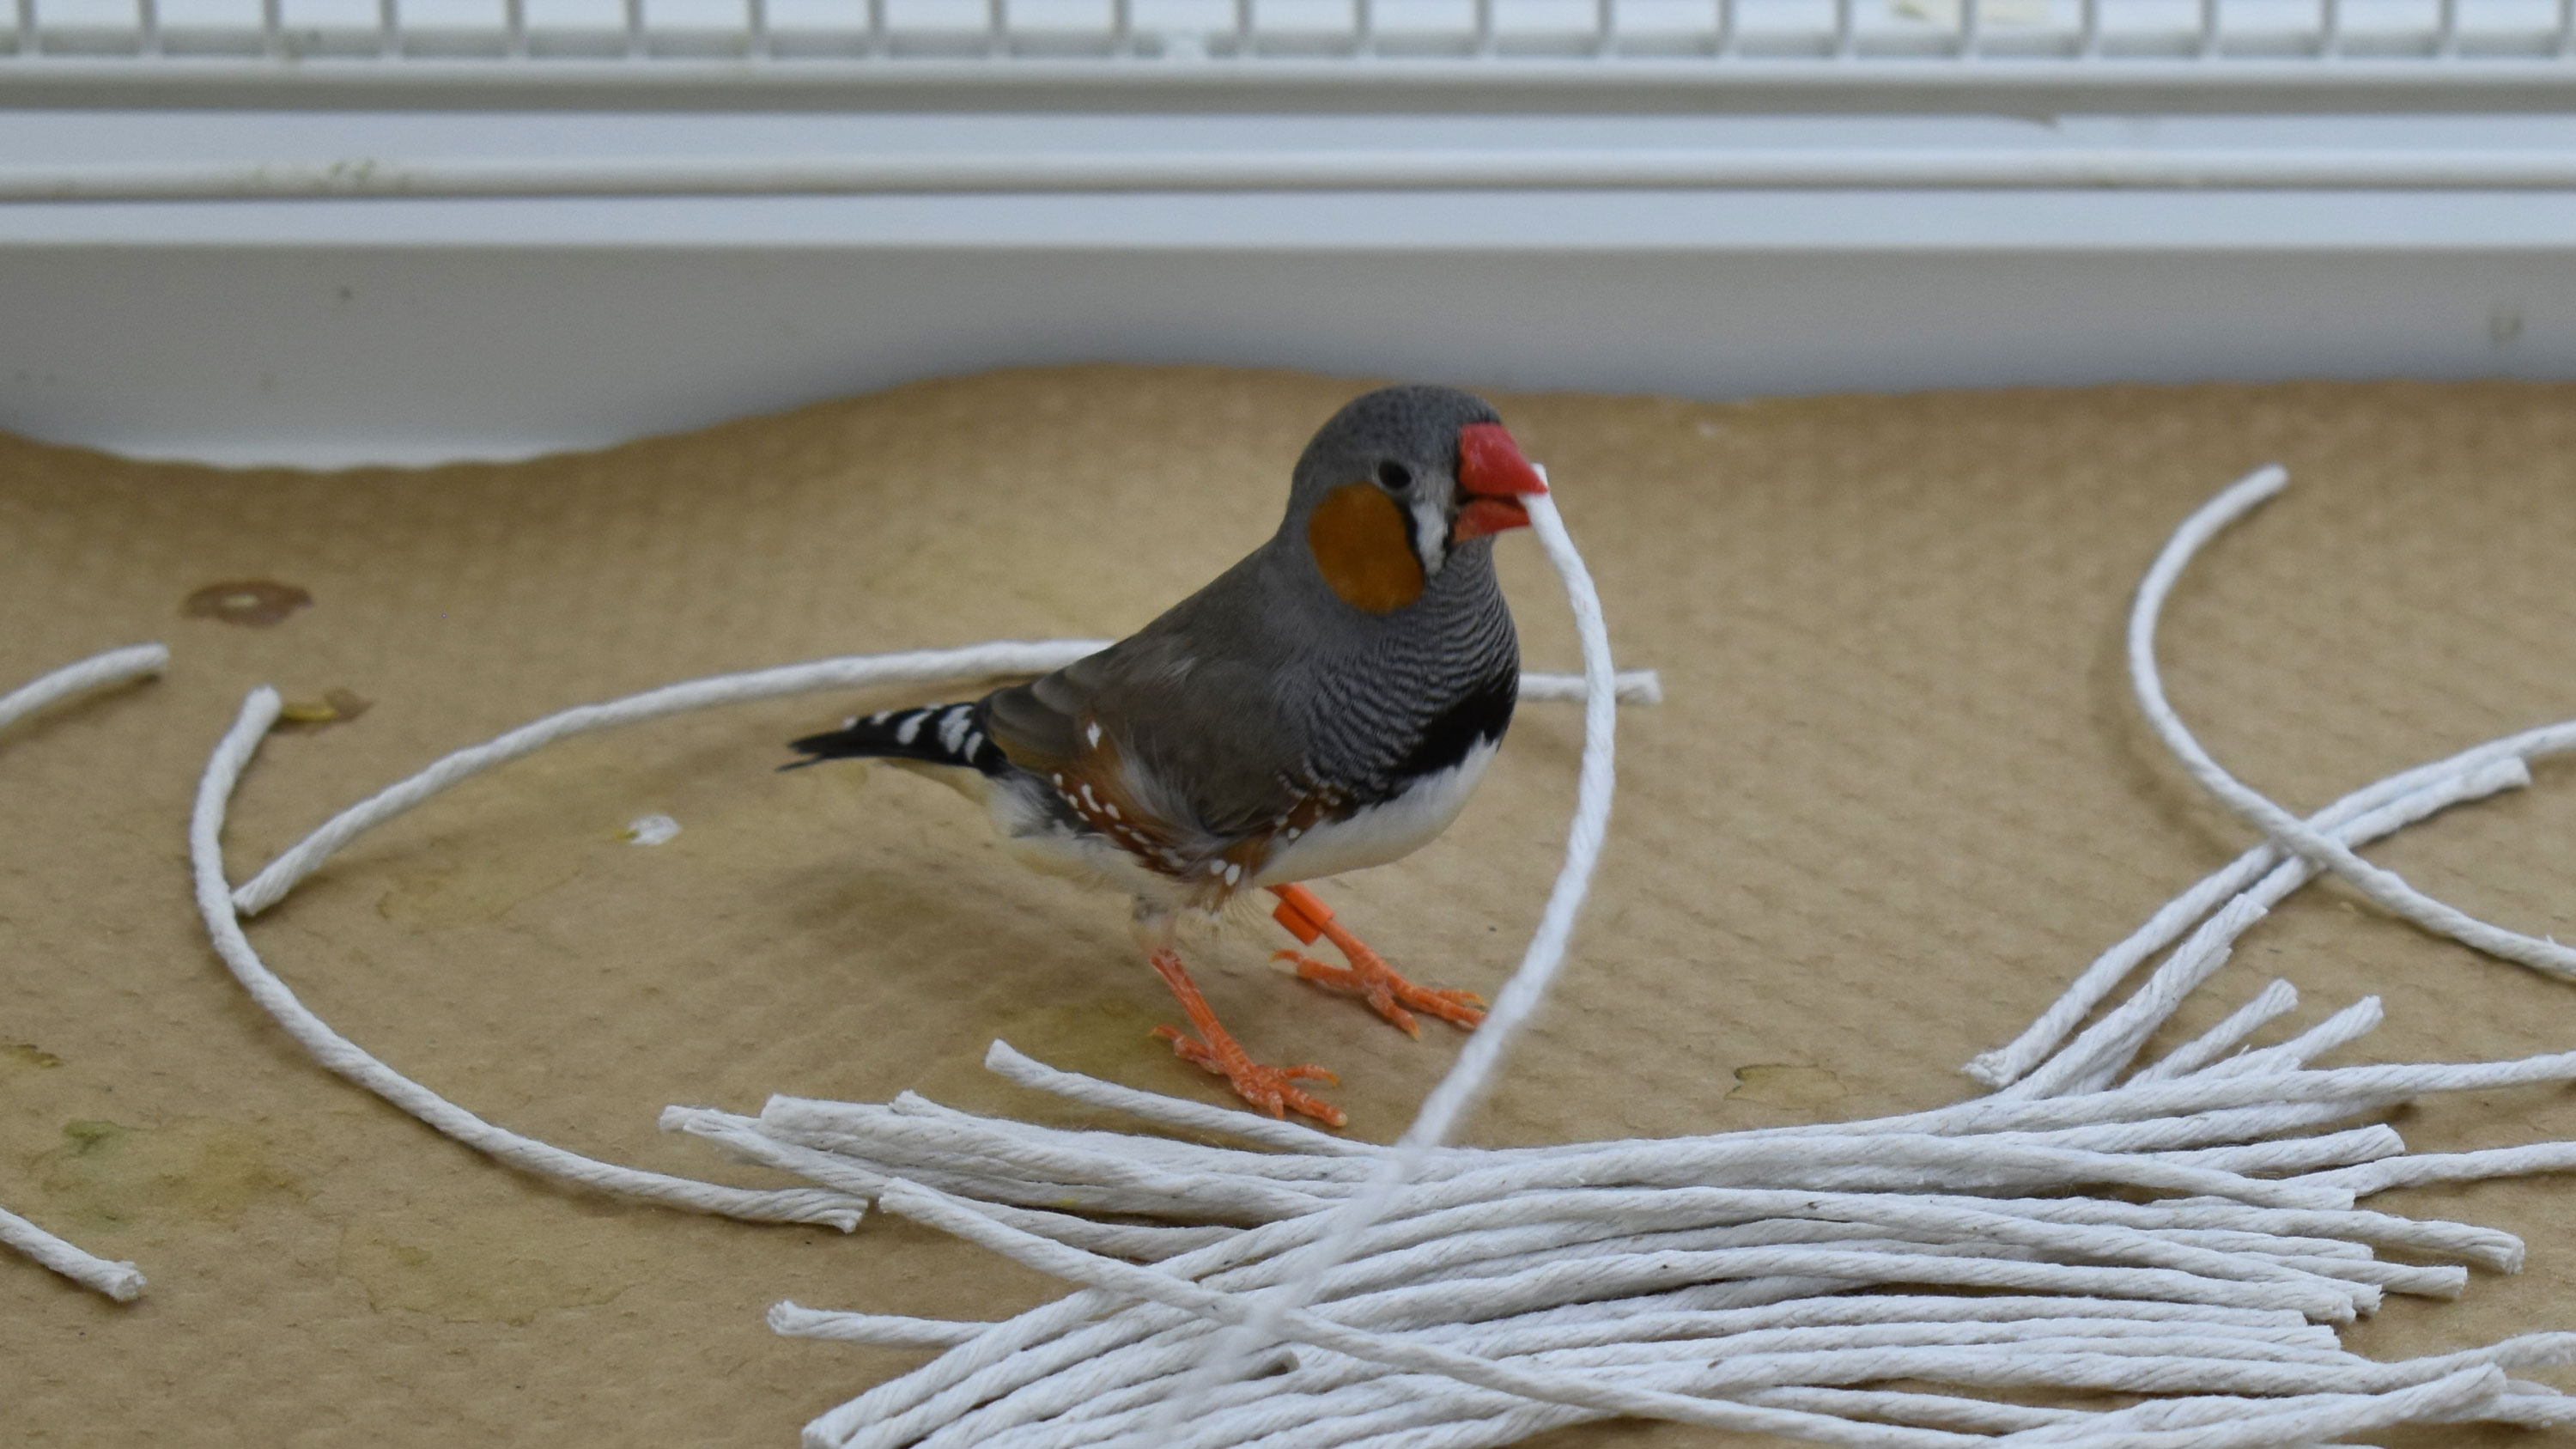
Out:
{"x": 477, "y": 1270}
{"x": 1780, "y": 1084}
{"x": 20, "y": 1057}
{"x": 253, "y": 602}
{"x": 336, "y": 706}
{"x": 109, "y": 1175}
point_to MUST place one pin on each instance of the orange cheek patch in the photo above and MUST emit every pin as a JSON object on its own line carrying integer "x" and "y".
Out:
{"x": 1362, "y": 543}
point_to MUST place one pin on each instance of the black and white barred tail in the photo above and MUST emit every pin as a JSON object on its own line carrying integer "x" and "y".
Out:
{"x": 938, "y": 734}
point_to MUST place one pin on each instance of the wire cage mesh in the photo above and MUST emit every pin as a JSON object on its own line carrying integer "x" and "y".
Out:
{"x": 2417, "y": 39}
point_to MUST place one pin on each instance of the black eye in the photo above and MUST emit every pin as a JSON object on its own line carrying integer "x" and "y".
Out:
{"x": 1394, "y": 475}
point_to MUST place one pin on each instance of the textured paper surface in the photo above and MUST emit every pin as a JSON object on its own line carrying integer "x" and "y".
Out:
{"x": 1896, "y": 800}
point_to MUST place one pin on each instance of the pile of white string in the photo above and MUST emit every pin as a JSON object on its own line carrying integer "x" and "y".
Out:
{"x": 118, "y": 1280}
{"x": 2183, "y": 1234}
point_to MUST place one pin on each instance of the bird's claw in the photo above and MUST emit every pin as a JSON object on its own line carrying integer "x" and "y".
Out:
{"x": 1371, "y": 979}
{"x": 1272, "y": 1089}
{"x": 1367, "y": 976}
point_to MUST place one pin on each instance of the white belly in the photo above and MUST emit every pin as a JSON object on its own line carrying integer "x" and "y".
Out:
{"x": 1381, "y": 833}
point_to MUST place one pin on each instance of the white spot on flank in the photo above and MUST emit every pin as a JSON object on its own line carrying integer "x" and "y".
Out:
{"x": 851, "y": 723}
{"x": 1293, "y": 833}
{"x": 1112, "y": 808}
{"x": 974, "y": 744}
{"x": 1058, "y": 779}
{"x": 1233, "y": 873}
{"x": 1092, "y": 733}
{"x": 651, "y": 830}
{"x": 1216, "y": 867}
{"x": 910, "y": 730}
{"x": 953, "y": 726}
{"x": 1087, "y": 797}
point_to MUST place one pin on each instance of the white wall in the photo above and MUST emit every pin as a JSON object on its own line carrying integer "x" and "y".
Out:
{"x": 336, "y": 331}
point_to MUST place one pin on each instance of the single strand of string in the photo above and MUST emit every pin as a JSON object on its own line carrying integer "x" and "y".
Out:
{"x": 119, "y": 1280}
{"x": 116, "y": 666}
{"x": 1465, "y": 1081}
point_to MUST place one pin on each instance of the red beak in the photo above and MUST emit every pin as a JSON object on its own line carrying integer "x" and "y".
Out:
{"x": 1495, "y": 478}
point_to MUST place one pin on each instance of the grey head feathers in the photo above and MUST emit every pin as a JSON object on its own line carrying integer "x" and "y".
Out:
{"x": 1403, "y": 440}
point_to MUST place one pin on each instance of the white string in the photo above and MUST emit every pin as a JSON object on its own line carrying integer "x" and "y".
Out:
{"x": 223, "y": 927}
{"x": 119, "y": 1280}
{"x": 2276, "y": 1000}
{"x": 1464, "y": 1083}
{"x": 116, "y": 666}
{"x": 2364, "y": 815}
{"x": 2384, "y": 888}
{"x": 790, "y": 1320}
{"x": 2108, "y": 1045}
{"x": 857, "y": 672}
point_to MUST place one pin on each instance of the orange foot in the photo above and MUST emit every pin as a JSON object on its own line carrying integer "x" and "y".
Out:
{"x": 1368, "y": 975}
{"x": 1272, "y": 1089}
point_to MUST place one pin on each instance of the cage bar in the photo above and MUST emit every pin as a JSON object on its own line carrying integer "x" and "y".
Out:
{"x": 1830, "y": 56}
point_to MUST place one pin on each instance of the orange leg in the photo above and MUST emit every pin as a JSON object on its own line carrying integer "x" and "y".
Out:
{"x": 1368, "y": 975}
{"x": 1272, "y": 1089}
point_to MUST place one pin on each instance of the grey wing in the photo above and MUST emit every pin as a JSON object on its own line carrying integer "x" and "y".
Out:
{"x": 1209, "y": 733}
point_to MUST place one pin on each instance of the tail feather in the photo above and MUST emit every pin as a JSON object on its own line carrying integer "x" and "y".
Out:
{"x": 938, "y": 734}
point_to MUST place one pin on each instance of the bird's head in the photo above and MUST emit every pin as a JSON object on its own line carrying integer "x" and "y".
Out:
{"x": 1398, "y": 482}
